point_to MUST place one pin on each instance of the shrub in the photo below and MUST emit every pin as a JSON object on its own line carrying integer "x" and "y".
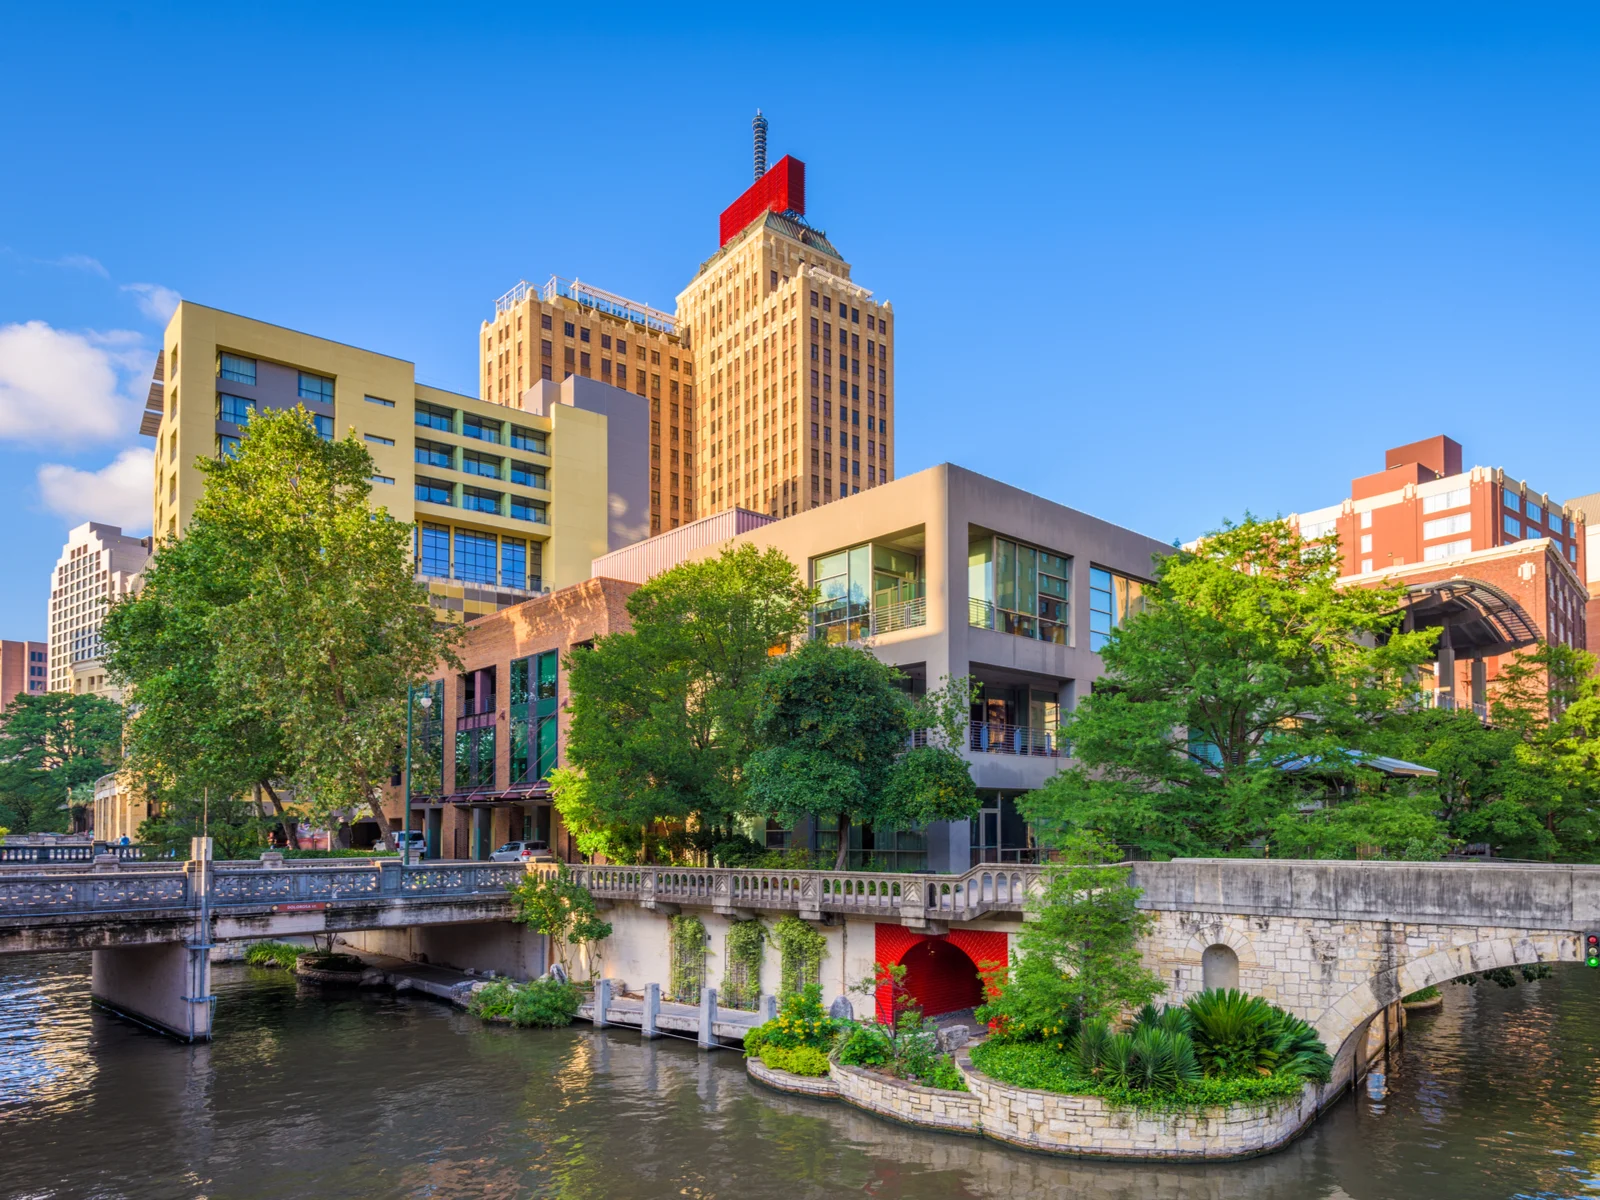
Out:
{"x": 801, "y": 1060}
{"x": 273, "y": 954}
{"x": 944, "y": 1075}
{"x": 801, "y": 1021}
{"x": 1237, "y": 1035}
{"x": 545, "y": 1003}
{"x": 328, "y": 961}
{"x": 1428, "y": 993}
{"x": 492, "y": 1000}
{"x": 1031, "y": 1065}
{"x": 865, "y": 1045}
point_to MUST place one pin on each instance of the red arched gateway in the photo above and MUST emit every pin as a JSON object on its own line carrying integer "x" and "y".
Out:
{"x": 941, "y": 969}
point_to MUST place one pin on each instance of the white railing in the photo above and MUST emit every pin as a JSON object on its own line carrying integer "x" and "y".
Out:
{"x": 608, "y": 302}
{"x": 1445, "y": 698}
{"x": 903, "y": 614}
{"x": 985, "y": 737}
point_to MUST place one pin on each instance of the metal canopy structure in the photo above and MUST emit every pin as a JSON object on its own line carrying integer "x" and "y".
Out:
{"x": 1478, "y": 618}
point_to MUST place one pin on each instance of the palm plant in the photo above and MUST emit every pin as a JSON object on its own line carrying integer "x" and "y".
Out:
{"x": 1297, "y": 1050}
{"x": 1233, "y": 1032}
{"x": 1162, "y": 1059}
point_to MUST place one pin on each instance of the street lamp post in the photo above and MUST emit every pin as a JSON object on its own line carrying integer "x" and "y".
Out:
{"x": 425, "y": 701}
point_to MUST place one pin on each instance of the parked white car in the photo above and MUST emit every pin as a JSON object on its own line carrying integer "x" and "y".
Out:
{"x": 418, "y": 844}
{"x": 520, "y": 852}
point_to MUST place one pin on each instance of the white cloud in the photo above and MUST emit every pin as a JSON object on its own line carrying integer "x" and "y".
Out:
{"x": 82, "y": 262}
{"x": 62, "y": 388}
{"x": 119, "y": 493}
{"x": 155, "y": 301}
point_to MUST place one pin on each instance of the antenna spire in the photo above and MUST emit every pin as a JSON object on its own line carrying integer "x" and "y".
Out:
{"x": 759, "y": 128}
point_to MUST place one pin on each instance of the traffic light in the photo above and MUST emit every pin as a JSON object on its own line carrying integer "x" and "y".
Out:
{"x": 1591, "y": 949}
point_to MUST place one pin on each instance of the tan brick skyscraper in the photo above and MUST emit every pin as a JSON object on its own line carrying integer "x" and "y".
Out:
{"x": 793, "y": 360}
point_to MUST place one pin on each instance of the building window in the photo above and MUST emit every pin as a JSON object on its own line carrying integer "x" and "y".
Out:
{"x": 430, "y": 416}
{"x": 434, "y": 454}
{"x": 1455, "y": 498}
{"x": 527, "y": 474}
{"x": 1446, "y": 550}
{"x": 1113, "y": 598}
{"x": 487, "y": 465}
{"x": 1513, "y": 526}
{"x": 432, "y": 491}
{"x": 381, "y": 479}
{"x": 528, "y": 439}
{"x": 474, "y": 556}
{"x": 1443, "y": 527}
{"x": 865, "y": 590}
{"x": 234, "y": 409}
{"x": 483, "y": 430}
{"x": 234, "y": 368}
{"x": 1513, "y": 501}
{"x": 316, "y": 388}
{"x": 1535, "y": 513}
{"x": 528, "y": 510}
{"x": 379, "y": 440}
{"x": 475, "y": 499}
{"x": 227, "y": 446}
{"x": 534, "y": 717}
{"x": 323, "y": 425}
{"x": 1018, "y": 589}
{"x": 435, "y": 550}
{"x": 378, "y": 400}
{"x": 513, "y": 562}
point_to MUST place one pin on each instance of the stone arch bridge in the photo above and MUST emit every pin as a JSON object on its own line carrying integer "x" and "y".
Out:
{"x": 1337, "y": 943}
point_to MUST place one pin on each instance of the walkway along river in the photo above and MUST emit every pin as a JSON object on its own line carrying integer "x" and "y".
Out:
{"x": 307, "y": 1093}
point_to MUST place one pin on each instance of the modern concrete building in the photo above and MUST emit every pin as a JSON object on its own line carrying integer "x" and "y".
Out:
{"x": 1494, "y": 564}
{"x": 24, "y": 670}
{"x": 947, "y": 573}
{"x": 509, "y": 501}
{"x": 793, "y": 358}
{"x": 98, "y": 565}
{"x": 568, "y": 329}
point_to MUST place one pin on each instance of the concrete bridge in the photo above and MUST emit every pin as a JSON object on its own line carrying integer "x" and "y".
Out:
{"x": 1338, "y": 943}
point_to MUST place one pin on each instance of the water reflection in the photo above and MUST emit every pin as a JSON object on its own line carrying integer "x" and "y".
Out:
{"x": 369, "y": 1095}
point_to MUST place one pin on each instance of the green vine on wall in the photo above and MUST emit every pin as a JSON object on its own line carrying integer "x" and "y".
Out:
{"x": 801, "y": 950}
{"x": 743, "y": 951}
{"x": 688, "y": 959}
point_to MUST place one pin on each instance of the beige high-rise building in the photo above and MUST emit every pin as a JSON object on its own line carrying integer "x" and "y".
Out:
{"x": 794, "y": 360}
{"x": 567, "y": 328}
{"x": 98, "y": 566}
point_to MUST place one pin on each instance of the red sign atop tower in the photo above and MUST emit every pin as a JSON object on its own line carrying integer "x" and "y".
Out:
{"x": 781, "y": 189}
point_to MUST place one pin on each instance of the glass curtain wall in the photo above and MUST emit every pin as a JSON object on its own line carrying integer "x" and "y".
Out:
{"x": 533, "y": 717}
{"x": 427, "y": 740}
{"x": 875, "y": 849}
{"x": 1018, "y": 589}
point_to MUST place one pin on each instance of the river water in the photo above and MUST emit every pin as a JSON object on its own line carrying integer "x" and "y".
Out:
{"x": 327, "y": 1094}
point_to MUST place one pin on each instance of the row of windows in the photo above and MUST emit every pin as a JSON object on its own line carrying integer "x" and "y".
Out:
{"x": 479, "y": 557}
{"x": 432, "y": 416}
{"x": 237, "y": 369}
{"x": 855, "y": 313}
{"x": 477, "y": 499}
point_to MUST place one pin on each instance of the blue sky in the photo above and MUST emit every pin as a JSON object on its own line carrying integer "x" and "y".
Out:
{"x": 1235, "y": 252}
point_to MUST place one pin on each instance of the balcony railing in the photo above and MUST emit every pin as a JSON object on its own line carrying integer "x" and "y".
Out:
{"x": 1444, "y": 698}
{"x": 981, "y": 614}
{"x": 903, "y": 614}
{"x": 841, "y": 622}
{"x": 986, "y": 737}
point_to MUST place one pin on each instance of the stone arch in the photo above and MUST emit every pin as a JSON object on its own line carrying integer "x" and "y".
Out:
{"x": 1351, "y": 1014}
{"x": 1219, "y": 967}
{"x": 1181, "y": 960}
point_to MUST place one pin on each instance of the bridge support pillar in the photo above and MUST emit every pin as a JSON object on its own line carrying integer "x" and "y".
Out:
{"x": 602, "y": 1002}
{"x": 165, "y": 986}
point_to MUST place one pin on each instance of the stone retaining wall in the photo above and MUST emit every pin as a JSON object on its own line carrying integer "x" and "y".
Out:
{"x": 936, "y": 1108}
{"x": 1076, "y": 1126}
{"x": 1086, "y": 1126}
{"x": 801, "y": 1085}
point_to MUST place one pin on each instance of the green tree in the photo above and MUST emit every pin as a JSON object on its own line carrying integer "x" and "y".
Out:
{"x": 558, "y": 906}
{"x": 1247, "y": 656}
{"x": 1077, "y": 957}
{"x": 49, "y": 745}
{"x": 234, "y": 824}
{"x": 661, "y": 714}
{"x": 164, "y": 646}
{"x": 834, "y": 728}
{"x": 319, "y": 626}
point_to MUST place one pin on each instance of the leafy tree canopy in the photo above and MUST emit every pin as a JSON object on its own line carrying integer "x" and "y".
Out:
{"x": 661, "y": 715}
{"x": 834, "y": 729}
{"x": 1247, "y": 657}
{"x": 49, "y": 745}
{"x": 310, "y": 622}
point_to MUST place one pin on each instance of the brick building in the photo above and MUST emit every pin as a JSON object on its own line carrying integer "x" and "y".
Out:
{"x": 1495, "y": 565}
{"x": 483, "y": 751}
{"x": 24, "y": 670}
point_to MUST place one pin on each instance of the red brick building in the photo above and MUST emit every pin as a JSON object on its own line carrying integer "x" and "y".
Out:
{"x": 1495, "y": 565}
{"x": 483, "y": 750}
{"x": 24, "y": 670}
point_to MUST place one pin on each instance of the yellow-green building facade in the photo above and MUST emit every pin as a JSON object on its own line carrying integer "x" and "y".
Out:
{"x": 507, "y": 502}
